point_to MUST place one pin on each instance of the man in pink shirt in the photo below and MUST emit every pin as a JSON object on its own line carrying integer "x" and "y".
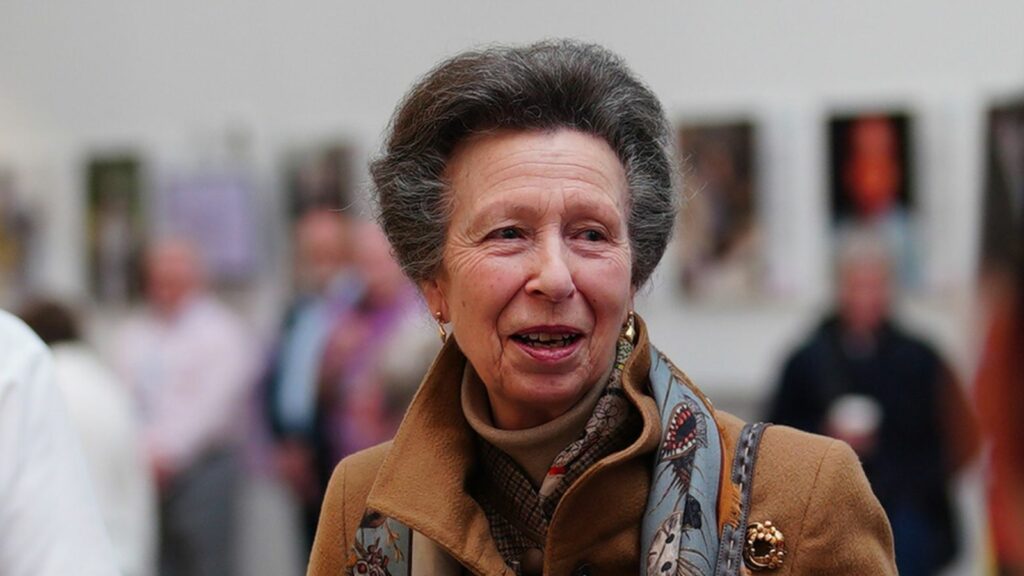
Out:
{"x": 189, "y": 361}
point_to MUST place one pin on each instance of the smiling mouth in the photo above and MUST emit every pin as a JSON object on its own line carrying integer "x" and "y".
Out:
{"x": 547, "y": 339}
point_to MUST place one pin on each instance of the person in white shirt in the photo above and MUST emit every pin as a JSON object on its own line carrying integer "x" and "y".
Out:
{"x": 102, "y": 414}
{"x": 190, "y": 362}
{"x": 49, "y": 522}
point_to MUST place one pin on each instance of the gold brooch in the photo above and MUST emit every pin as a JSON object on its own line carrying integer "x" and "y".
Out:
{"x": 765, "y": 548}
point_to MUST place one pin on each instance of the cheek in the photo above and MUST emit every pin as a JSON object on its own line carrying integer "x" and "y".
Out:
{"x": 606, "y": 285}
{"x": 481, "y": 287}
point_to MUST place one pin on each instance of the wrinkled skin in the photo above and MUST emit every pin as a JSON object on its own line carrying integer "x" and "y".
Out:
{"x": 537, "y": 243}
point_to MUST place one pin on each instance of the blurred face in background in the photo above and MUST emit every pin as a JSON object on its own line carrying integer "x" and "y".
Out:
{"x": 380, "y": 272}
{"x": 864, "y": 294}
{"x": 321, "y": 249}
{"x": 872, "y": 173}
{"x": 173, "y": 275}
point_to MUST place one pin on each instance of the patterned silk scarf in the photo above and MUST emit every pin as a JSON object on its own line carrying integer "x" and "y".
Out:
{"x": 680, "y": 527}
{"x": 679, "y": 535}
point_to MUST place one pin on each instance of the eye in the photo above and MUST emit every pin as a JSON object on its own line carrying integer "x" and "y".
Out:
{"x": 592, "y": 235}
{"x": 507, "y": 233}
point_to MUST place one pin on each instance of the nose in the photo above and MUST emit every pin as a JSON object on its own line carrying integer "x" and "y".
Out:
{"x": 551, "y": 278}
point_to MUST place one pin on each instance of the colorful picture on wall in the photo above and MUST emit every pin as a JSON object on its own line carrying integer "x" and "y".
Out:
{"x": 872, "y": 184}
{"x": 1003, "y": 210}
{"x": 718, "y": 228}
{"x": 114, "y": 188}
{"x": 217, "y": 212}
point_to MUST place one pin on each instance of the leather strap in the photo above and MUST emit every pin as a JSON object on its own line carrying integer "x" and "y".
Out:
{"x": 730, "y": 552}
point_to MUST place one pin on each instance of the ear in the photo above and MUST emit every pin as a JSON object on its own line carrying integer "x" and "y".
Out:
{"x": 433, "y": 293}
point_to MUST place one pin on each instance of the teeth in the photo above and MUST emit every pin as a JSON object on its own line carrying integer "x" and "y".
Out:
{"x": 547, "y": 338}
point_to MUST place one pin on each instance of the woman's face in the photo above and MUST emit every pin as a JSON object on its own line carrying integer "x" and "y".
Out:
{"x": 537, "y": 267}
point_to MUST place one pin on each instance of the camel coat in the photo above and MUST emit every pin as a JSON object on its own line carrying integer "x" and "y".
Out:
{"x": 810, "y": 487}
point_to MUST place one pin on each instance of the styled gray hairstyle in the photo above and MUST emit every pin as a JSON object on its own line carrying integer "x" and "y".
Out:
{"x": 543, "y": 86}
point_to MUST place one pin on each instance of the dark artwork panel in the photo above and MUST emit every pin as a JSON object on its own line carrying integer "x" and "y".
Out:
{"x": 1003, "y": 209}
{"x": 320, "y": 177}
{"x": 114, "y": 213}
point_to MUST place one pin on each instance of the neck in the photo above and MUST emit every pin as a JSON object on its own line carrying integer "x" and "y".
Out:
{"x": 524, "y": 418}
{"x": 532, "y": 447}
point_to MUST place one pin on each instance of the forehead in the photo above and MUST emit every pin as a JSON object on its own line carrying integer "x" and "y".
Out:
{"x": 578, "y": 165}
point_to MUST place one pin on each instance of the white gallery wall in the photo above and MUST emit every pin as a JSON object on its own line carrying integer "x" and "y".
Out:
{"x": 170, "y": 79}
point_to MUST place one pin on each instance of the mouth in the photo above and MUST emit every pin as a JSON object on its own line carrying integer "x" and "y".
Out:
{"x": 549, "y": 345}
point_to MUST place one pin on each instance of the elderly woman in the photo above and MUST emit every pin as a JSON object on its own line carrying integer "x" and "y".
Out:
{"x": 528, "y": 191}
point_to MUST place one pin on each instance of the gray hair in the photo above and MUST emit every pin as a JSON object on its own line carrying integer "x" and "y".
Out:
{"x": 543, "y": 86}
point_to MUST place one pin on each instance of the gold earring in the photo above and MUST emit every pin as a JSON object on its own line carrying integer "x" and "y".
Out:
{"x": 440, "y": 327}
{"x": 629, "y": 333}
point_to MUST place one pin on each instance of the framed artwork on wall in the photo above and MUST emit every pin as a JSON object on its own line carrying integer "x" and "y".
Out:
{"x": 1003, "y": 193}
{"x": 320, "y": 176}
{"x": 16, "y": 235}
{"x": 717, "y": 234}
{"x": 872, "y": 186}
{"x": 216, "y": 210}
{"x": 114, "y": 227}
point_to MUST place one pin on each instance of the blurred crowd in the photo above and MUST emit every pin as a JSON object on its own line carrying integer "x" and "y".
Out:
{"x": 192, "y": 402}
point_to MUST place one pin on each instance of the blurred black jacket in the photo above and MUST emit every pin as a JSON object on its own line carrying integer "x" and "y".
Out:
{"x": 912, "y": 461}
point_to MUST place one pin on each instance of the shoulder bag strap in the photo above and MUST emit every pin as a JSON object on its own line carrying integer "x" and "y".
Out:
{"x": 730, "y": 552}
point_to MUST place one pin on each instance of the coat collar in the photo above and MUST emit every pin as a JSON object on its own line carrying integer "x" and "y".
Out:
{"x": 423, "y": 480}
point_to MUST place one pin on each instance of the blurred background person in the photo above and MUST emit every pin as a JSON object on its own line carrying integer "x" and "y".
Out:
{"x": 103, "y": 417}
{"x": 49, "y": 522}
{"x": 999, "y": 384}
{"x": 861, "y": 378}
{"x": 999, "y": 389}
{"x": 398, "y": 345}
{"x": 188, "y": 359}
{"x": 348, "y": 358}
{"x": 328, "y": 289}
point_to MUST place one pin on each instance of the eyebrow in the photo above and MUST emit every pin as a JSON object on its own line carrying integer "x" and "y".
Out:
{"x": 490, "y": 211}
